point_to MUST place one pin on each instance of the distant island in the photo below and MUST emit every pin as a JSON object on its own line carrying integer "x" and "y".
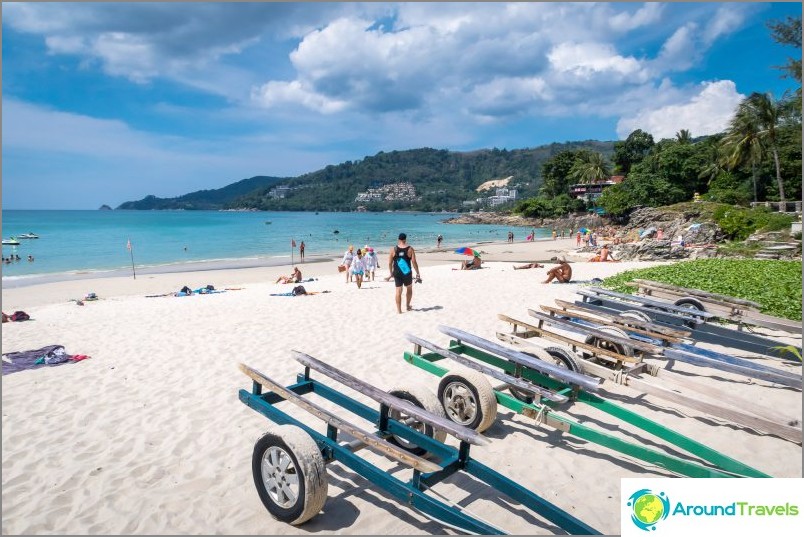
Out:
{"x": 413, "y": 180}
{"x": 105, "y": 207}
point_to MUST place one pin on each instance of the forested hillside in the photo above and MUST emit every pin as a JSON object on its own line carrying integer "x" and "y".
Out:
{"x": 442, "y": 180}
{"x": 202, "y": 199}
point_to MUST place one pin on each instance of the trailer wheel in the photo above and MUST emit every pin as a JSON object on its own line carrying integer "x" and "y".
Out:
{"x": 601, "y": 343}
{"x": 468, "y": 399}
{"x": 636, "y": 315}
{"x": 693, "y": 304}
{"x": 289, "y": 474}
{"x": 561, "y": 358}
{"x": 422, "y": 398}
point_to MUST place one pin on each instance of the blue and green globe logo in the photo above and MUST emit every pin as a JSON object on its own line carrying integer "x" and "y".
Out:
{"x": 648, "y": 508}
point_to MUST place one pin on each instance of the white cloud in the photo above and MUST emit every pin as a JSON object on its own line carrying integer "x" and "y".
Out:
{"x": 646, "y": 15}
{"x": 727, "y": 19}
{"x": 278, "y": 93}
{"x": 586, "y": 60}
{"x": 706, "y": 110}
{"x": 680, "y": 51}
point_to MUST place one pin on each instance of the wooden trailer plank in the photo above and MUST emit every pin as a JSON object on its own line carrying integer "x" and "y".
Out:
{"x": 569, "y": 325}
{"x": 458, "y": 431}
{"x": 775, "y": 323}
{"x": 688, "y": 291}
{"x": 659, "y": 304}
{"x": 624, "y": 323}
{"x": 653, "y": 327}
{"x": 559, "y": 373}
{"x": 672, "y": 389}
{"x": 522, "y": 384}
{"x": 371, "y": 440}
{"x": 547, "y": 334}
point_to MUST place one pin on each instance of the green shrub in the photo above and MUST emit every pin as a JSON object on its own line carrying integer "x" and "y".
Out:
{"x": 738, "y": 223}
{"x": 776, "y": 285}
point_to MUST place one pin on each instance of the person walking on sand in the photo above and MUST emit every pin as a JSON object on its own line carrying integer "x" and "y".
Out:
{"x": 347, "y": 262}
{"x": 372, "y": 264}
{"x": 301, "y": 251}
{"x": 400, "y": 260}
{"x": 358, "y": 268}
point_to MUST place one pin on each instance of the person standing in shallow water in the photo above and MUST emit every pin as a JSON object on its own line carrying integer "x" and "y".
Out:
{"x": 401, "y": 264}
{"x": 301, "y": 251}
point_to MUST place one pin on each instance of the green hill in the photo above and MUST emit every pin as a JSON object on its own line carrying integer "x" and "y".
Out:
{"x": 203, "y": 199}
{"x": 441, "y": 180}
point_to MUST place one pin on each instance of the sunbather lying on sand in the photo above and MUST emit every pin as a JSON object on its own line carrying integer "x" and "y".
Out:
{"x": 529, "y": 265}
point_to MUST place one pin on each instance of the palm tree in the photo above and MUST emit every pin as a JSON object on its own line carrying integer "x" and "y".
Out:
{"x": 684, "y": 136}
{"x": 742, "y": 145}
{"x": 590, "y": 168}
{"x": 753, "y": 133}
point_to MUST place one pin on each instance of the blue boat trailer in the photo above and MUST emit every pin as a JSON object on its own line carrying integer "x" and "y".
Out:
{"x": 704, "y": 325}
{"x": 464, "y": 394}
{"x": 658, "y": 346}
{"x": 409, "y": 426}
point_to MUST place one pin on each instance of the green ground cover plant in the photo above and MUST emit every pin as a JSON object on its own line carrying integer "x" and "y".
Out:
{"x": 774, "y": 284}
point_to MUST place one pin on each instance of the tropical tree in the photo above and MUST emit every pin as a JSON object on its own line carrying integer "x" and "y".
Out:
{"x": 555, "y": 173}
{"x": 753, "y": 132}
{"x": 591, "y": 167}
{"x": 684, "y": 136}
{"x": 635, "y": 148}
{"x": 741, "y": 145}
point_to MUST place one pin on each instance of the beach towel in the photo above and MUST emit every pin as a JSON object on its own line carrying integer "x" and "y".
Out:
{"x": 302, "y": 294}
{"x": 46, "y": 356}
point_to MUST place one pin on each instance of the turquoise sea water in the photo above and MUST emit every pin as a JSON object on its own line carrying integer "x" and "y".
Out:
{"x": 74, "y": 242}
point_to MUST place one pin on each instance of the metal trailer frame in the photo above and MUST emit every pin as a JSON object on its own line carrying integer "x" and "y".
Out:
{"x": 666, "y": 384}
{"x": 658, "y": 346}
{"x": 744, "y": 313}
{"x": 699, "y": 320}
{"x": 425, "y": 472}
{"x": 513, "y": 365}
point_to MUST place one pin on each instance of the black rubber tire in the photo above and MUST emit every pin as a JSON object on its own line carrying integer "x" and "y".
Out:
{"x": 289, "y": 455}
{"x": 422, "y": 398}
{"x": 690, "y": 303}
{"x": 561, "y": 357}
{"x": 468, "y": 399}
{"x": 625, "y": 350}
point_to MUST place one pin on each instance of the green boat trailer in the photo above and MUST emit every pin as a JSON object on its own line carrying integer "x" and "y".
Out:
{"x": 289, "y": 461}
{"x": 465, "y": 392}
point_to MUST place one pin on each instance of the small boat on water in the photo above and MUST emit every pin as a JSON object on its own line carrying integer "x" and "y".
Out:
{"x": 11, "y": 241}
{"x": 28, "y": 236}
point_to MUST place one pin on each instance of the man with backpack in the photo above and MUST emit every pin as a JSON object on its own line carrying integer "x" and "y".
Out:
{"x": 400, "y": 260}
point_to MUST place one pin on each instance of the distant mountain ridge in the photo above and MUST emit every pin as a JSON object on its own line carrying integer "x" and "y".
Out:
{"x": 203, "y": 199}
{"x": 442, "y": 180}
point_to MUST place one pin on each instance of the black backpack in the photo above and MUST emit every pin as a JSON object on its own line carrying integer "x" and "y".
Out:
{"x": 299, "y": 290}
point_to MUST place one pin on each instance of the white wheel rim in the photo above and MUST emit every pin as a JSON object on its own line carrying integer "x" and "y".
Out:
{"x": 459, "y": 403}
{"x": 280, "y": 477}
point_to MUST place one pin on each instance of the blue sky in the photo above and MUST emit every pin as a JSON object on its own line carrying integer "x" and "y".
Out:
{"x": 105, "y": 103}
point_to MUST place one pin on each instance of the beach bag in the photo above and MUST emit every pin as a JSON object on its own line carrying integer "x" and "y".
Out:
{"x": 186, "y": 290}
{"x": 20, "y": 316}
{"x": 341, "y": 268}
{"x": 298, "y": 290}
{"x": 403, "y": 266}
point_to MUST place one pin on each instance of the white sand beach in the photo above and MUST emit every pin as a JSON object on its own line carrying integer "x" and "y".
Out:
{"x": 148, "y": 435}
